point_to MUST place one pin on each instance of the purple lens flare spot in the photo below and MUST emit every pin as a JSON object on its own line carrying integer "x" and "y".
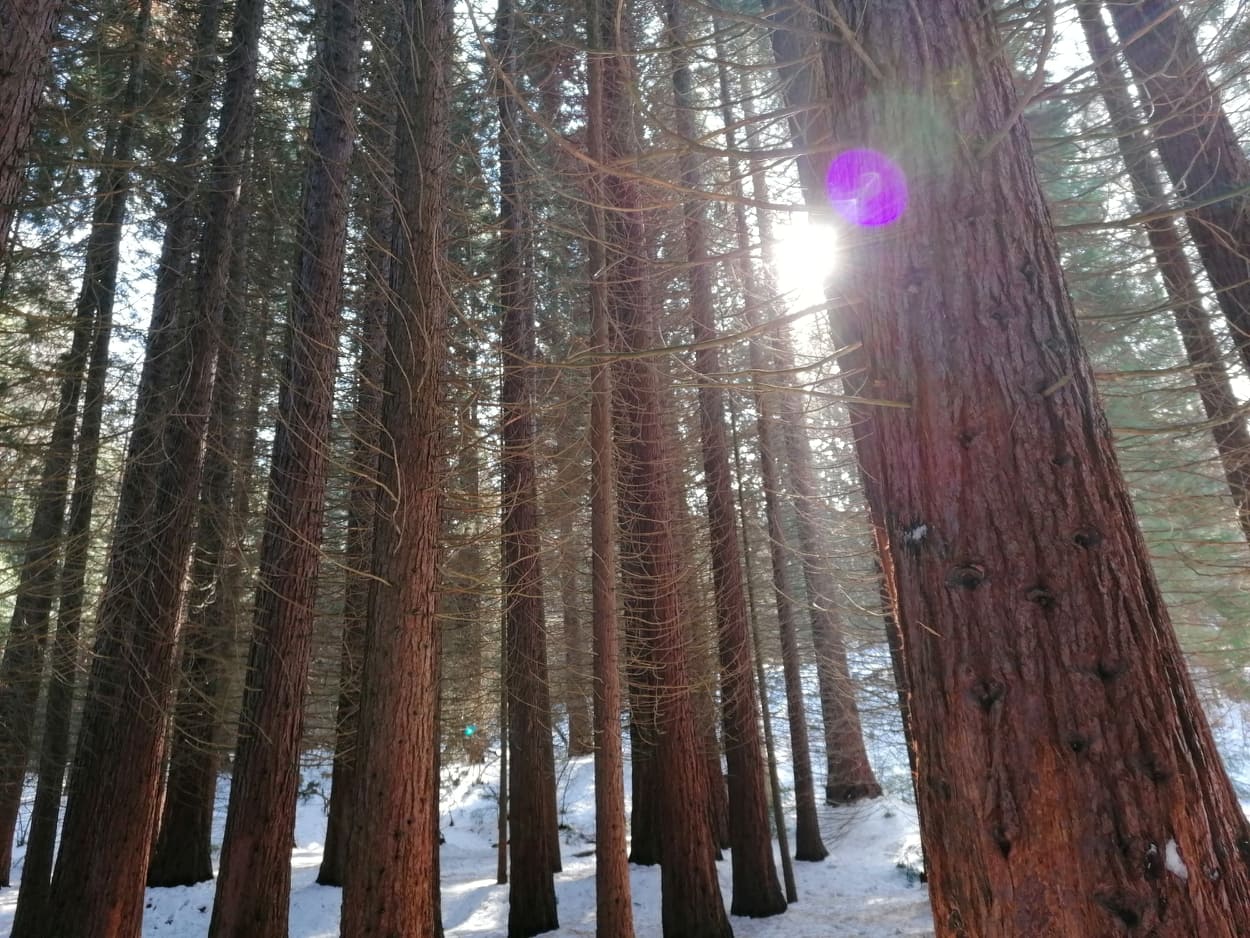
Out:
{"x": 866, "y": 187}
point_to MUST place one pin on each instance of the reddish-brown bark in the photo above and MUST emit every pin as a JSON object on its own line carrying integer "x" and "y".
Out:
{"x": 532, "y": 896}
{"x": 253, "y": 886}
{"x": 1210, "y": 171}
{"x": 392, "y": 887}
{"x": 26, "y": 33}
{"x": 690, "y": 892}
{"x": 1069, "y": 784}
{"x": 97, "y": 886}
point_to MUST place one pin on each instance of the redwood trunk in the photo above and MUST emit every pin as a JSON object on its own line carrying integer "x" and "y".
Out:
{"x": 26, "y": 33}
{"x": 253, "y": 889}
{"x": 614, "y": 915}
{"x": 1223, "y": 410}
{"x": 532, "y": 896}
{"x": 97, "y": 887}
{"x": 393, "y": 886}
{"x": 690, "y": 891}
{"x": 1069, "y": 784}
{"x": 1209, "y": 170}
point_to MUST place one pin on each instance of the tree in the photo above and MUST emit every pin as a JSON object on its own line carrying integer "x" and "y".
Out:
{"x": 532, "y": 896}
{"x": 690, "y": 892}
{"x": 1210, "y": 171}
{"x": 1046, "y": 751}
{"x": 756, "y": 890}
{"x": 253, "y": 889}
{"x": 97, "y": 886}
{"x": 26, "y": 33}
{"x": 392, "y": 887}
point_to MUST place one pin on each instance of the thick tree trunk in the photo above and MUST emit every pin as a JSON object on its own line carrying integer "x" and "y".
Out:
{"x": 393, "y": 886}
{"x": 532, "y": 896}
{"x": 1228, "y": 423}
{"x": 614, "y": 916}
{"x": 756, "y": 889}
{"x": 690, "y": 892}
{"x": 1066, "y": 756}
{"x": 1210, "y": 171}
{"x": 96, "y": 299}
{"x": 253, "y": 889}
{"x": 97, "y": 888}
{"x": 26, "y": 33}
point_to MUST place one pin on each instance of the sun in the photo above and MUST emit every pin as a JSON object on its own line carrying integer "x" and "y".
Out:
{"x": 804, "y": 255}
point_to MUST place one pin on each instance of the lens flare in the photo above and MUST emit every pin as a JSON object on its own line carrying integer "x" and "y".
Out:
{"x": 866, "y": 188}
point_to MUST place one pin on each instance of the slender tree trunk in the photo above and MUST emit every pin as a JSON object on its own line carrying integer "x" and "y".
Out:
{"x": 1083, "y": 801}
{"x": 690, "y": 892}
{"x": 532, "y": 897}
{"x": 253, "y": 890}
{"x": 614, "y": 916}
{"x": 182, "y": 851}
{"x": 26, "y": 34}
{"x": 1210, "y": 171}
{"x": 808, "y": 843}
{"x": 1228, "y": 423}
{"x": 779, "y": 814}
{"x": 98, "y": 289}
{"x": 393, "y": 886}
{"x": 576, "y": 659}
{"x": 378, "y": 143}
{"x": 97, "y": 887}
{"x": 756, "y": 889}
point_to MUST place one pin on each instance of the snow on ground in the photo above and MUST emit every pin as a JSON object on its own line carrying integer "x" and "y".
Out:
{"x": 866, "y": 888}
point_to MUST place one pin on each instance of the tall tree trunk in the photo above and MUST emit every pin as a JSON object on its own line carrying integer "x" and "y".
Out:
{"x": 690, "y": 891}
{"x": 1228, "y": 423}
{"x": 1083, "y": 800}
{"x": 393, "y": 886}
{"x": 253, "y": 889}
{"x": 532, "y": 896}
{"x": 378, "y": 147}
{"x": 756, "y": 889}
{"x": 26, "y": 33}
{"x": 1210, "y": 171}
{"x": 614, "y": 915}
{"x": 808, "y": 843}
{"x": 576, "y": 647}
{"x": 97, "y": 887}
{"x": 95, "y": 300}
{"x": 182, "y": 853}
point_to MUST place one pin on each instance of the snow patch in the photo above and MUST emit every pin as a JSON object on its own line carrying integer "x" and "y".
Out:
{"x": 1172, "y": 860}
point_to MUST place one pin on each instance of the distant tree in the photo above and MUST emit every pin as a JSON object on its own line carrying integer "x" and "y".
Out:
{"x": 1047, "y": 754}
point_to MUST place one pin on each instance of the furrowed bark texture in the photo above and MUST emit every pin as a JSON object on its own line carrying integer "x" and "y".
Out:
{"x": 690, "y": 891}
{"x": 756, "y": 889}
{"x": 532, "y": 894}
{"x": 26, "y": 33}
{"x": 392, "y": 887}
{"x": 1206, "y": 360}
{"x": 253, "y": 888}
{"x": 1210, "y": 171}
{"x": 97, "y": 886}
{"x": 1060, "y": 742}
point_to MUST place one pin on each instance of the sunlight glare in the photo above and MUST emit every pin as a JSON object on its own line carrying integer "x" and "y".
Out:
{"x": 804, "y": 256}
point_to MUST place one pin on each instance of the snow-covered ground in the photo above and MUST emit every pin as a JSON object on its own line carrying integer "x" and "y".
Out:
{"x": 864, "y": 888}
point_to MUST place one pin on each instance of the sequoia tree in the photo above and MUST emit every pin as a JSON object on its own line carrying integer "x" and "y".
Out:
{"x": 253, "y": 887}
{"x": 392, "y": 886}
{"x": 1068, "y": 782}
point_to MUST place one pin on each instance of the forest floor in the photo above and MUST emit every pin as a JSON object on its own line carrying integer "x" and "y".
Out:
{"x": 866, "y": 888}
